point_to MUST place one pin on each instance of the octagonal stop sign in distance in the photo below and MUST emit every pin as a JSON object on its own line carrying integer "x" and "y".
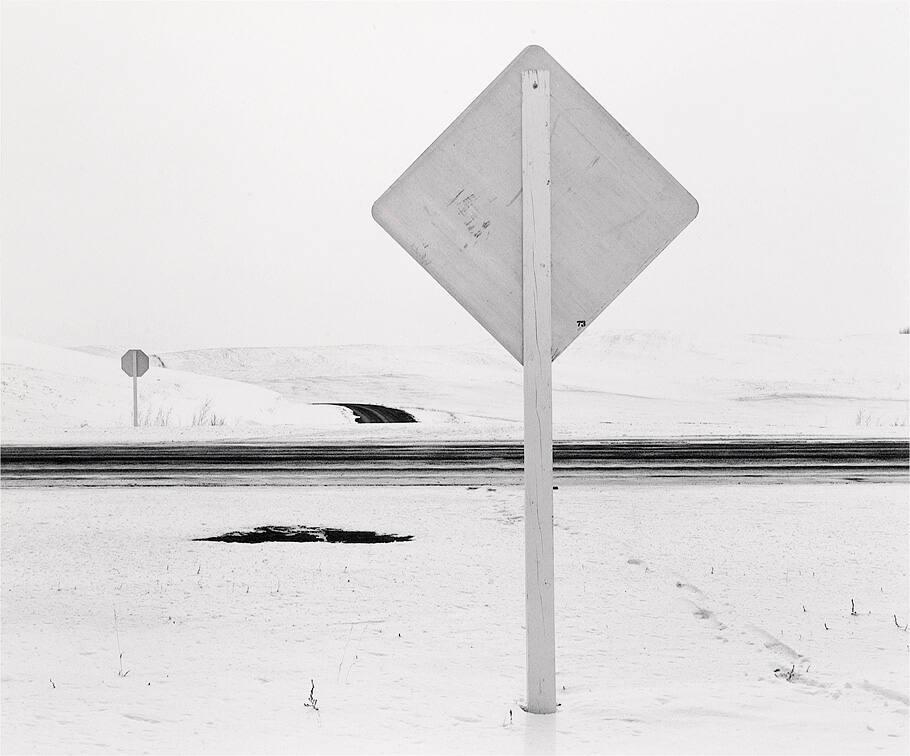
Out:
{"x": 141, "y": 363}
{"x": 457, "y": 210}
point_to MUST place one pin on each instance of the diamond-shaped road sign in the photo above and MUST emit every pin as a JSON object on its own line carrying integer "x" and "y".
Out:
{"x": 535, "y": 209}
{"x": 134, "y": 362}
{"x": 458, "y": 211}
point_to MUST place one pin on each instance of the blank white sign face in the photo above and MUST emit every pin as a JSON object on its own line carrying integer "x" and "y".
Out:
{"x": 457, "y": 209}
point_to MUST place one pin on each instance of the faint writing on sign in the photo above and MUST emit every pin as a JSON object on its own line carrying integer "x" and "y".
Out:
{"x": 464, "y": 206}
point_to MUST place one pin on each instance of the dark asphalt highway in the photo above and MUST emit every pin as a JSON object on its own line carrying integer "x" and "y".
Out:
{"x": 455, "y": 463}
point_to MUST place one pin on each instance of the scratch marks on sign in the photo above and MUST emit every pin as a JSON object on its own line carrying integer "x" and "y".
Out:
{"x": 466, "y": 209}
{"x": 420, "y": 250}
{"x": 475, "y": 229}
{"x": 565, "y": 112}
{"x": 466, "y": 204}
{"x": 619, "y": 228}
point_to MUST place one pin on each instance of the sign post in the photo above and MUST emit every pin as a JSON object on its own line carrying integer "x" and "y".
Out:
{"x": 134, "y": 363}
{"x": 607, "y": 207}
{"x": 538, "y": 391}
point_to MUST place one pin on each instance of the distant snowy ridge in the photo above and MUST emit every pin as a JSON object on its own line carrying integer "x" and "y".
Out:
{"x": 628, "y": 383}
{"x": 653, "y": 382}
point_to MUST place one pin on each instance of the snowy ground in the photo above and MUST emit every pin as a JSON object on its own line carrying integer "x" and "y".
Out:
{"x": 692, "y": 617}
{"x": 675, "y": 606}
{"x": 52, "y": 394}
{"x": 610, "y": 384}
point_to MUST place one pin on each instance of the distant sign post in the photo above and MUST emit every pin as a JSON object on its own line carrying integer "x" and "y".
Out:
{"x": 589, "y": 191}
{"x": 134, "y": 363}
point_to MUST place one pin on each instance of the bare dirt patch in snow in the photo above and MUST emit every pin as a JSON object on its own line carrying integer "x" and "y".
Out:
{"x": 304, "y": 534}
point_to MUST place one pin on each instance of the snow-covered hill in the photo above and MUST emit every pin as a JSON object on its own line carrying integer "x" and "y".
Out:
{"x": 617, "y": 383}
{"x": 51, "y": 392}
{"x": 610, "y": 384}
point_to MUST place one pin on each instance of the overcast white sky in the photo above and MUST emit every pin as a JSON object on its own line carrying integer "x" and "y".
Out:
{"x": 179, "y": 175}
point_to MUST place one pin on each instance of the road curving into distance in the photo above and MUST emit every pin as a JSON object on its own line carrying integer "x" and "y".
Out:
{"x": 453, "y": 463}
{"x": 375, "y": 413}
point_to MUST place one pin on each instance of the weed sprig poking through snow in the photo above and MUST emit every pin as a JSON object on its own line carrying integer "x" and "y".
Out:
{"x": 120, "y": 672}
{"x": 160, "y": 418}
{"x": 205, "y": 415}
{"x": 311, "y": 703}
{"x": 788, "y": 675}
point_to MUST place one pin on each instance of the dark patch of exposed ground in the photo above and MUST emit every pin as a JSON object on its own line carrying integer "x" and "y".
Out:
{"x": 304, "y": 534}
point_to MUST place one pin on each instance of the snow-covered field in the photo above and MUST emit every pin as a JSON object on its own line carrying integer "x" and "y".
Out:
{"x": 702, "y": 617}
{"x": 681, "y": 610}
{"x": 609, "y": 384}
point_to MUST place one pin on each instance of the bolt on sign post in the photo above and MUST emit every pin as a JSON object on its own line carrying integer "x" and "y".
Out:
{"x": 134, "y": 363}
{"x": 535, "y": 164}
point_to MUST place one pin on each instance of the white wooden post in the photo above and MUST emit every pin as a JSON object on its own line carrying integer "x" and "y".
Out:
{"x": 135, "y": 389}
{"x": 537, "y": 358}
